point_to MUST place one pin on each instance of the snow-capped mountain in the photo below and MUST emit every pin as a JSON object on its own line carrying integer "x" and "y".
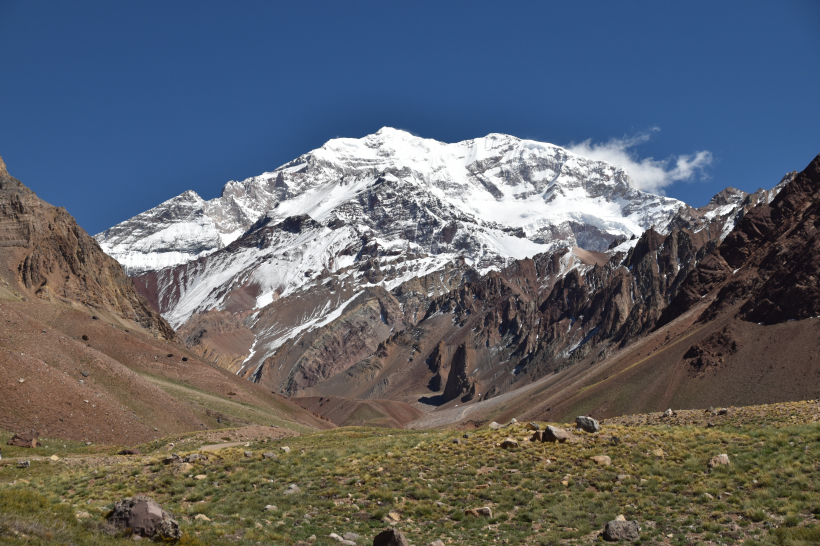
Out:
{"x": 528, "y": 190}
{"x": 332, "y": 241}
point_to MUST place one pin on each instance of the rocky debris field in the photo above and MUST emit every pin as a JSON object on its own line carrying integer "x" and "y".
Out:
{"x": 652, "y": 479}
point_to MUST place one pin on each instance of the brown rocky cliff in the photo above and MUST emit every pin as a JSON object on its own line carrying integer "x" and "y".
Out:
{"x": 460, "y": 380}
{"x": 769, "y": 264}
{"x": 45, "y": 255}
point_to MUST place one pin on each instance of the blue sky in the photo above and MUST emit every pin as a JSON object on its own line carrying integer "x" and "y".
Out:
{"x": 109, "y": 108}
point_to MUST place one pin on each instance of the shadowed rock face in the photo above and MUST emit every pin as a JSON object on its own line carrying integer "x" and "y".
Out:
{"x": 769, "y": 264}
{"x": 46, "y": 255}
{"x": 460, "y": 382}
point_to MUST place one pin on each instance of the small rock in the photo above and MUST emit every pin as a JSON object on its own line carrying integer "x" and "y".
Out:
{"x": 495, "y": 426}
{"x": 202, "y": 517}
{"x": 394, "y": 516}
{"x": 292, "y": 488}
{"x": 484, "y": 511}
{"x": 170, "y": 355}
{"x": 271, "y": 508}
{"x": 620, "y": 517}
{"x": 94, "y": 317}
{"x": 312, "y": 538}
{"x": 658, "y": 453}
{"x": 555, "y": 434}
{"x": 587, "y": 424}
{"x": 390, "y": 537}
{"x": 456, "y": 441}
{"x": 193, "y": 457}
{"x": 351, "y": 536}
{"x": 513, "y": 421}
{"x": 286, "y": 449}
{"x": 249, "y": 454}
{"x": 341, "y": 540}
{"x": 85, "y": 337}
{"x": 668, "y": 413}
{"x": 533, "y": 426}
{"x": 84, "y": 374}
{"x": 602, "y": 460}
{"x": 509, "y": 443}
{"x": 622, "y": 477}
{"x": 185, "y": 359}
{"x": 723, "y": 411}
{"x": 82, "y": 514}
{"x": 708, "y": 496}
{"x": 200, "y": 477}
{"x": 24, "y": 464}
{"x": 21, "y": 380}
{"x": 719, "y": 460}
{"x": 466, "y": 436}
{"x": 436, "y": 543}
{"x": 54, "y": 458}
{"x": 269, "y": 455}
{"x": 622, "y": 530}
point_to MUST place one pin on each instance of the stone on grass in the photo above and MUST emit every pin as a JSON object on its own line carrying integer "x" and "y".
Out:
{"x": 24, "y": 464}
{"x": 390, "y": 537}
{"x": 495, "y": 426}
{"x": 351, "y": 536}
{"x": 719, "y": 460}
{"x": 271, "y": 508}
{"x": 292, "y": 488}
{"x": 436, "y": 543}
{"x": 249, "y": 454}
{"x": 537, "y": 436}
{"x": 341, "y": 540}
{"x": 269, "y": 455}
{"x": 394, "y": 516}
{"x": 286, "y": 449}
{"x": 183, "y": 468}
{"x": 202, "y": 517}
{"x": 587, "y": 424}
{"x": 533, "y": 426}
{"x": 200, "y": 477}
{"x": 195, "y": 457}
{"x": 82, "y": 514}
{"x": 602, "y": 460}
{"x": 513, "y": 421}
{"x": 509, "y": 443}
{"x": 668, "y": 413}
{"x": 134, "y": 451}
{"x": 555, "y": 434}
{"x": 145, "y": 518}
{"x": 658, "y": 453}
{"x": 622, "y": 530}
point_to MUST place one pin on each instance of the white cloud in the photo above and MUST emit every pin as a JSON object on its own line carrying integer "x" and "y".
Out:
{"x": 645, "y": 174}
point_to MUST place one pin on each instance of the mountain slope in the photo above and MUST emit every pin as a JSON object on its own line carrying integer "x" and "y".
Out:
{"x": 82, "y": 354}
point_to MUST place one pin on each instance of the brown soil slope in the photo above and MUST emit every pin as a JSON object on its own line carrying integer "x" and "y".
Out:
{"x": 369, "y": 413}
{"x": 107, "y": 377}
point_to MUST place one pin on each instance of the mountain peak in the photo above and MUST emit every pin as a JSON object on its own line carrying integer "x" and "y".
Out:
{"x": 3, "y": 171}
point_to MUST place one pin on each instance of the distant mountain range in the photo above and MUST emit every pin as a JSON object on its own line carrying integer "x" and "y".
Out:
{"x": 381, "y": 267}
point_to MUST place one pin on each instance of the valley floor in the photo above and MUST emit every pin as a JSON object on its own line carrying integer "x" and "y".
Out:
{"x": 362, "y": 480}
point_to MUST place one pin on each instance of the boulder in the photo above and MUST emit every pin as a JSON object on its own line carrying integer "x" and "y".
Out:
{"x": 436, "y": 543}
{"x": 587, "y": 424}
{"x": 555, "y": 434}
{"x": 602, "y": 460}
{"x": 134, "y": 451}
{"x": 24, "y": 464}
{"x": 183, "y": 468}
{"x": 509, "y": 443}
{"x": 341, "y": 540}
{"x": 145, "y": 518}
{"x": 269, "y": 455}
{"x": 668, "y": 413}
{"x": 537, "y": 436}
{"x": 286, "y": 449}
{"x": 25, "y": 439}
{"x": 390, "y": 537}
{"x": 495, "y": 426}
{"x": 719, "y": 460}
{"x": 193, "y": 457}
{"x": 533, "y": 426}
{"x": 249, "y": 454}
{"x": 292, "y": 488}
{"x": 483, "y": 512}
{"x": 622, "y": 530}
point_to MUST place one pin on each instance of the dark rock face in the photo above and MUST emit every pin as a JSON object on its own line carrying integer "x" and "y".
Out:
{"x": 50, "y": 257}
{"x": 555, "y": 434}
{"x": 390, "y": 537}
{"x": 145, "y": 518}
{"x": 622, "y": 530}
{"x": 769, "y": 262}
{"x": 460, "y": 383}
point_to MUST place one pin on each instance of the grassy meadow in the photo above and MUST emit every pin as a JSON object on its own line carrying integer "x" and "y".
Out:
{"x": 357, "y": 480}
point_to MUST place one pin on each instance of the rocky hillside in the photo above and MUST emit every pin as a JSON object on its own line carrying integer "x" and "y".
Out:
{"x": 45, "y": 255}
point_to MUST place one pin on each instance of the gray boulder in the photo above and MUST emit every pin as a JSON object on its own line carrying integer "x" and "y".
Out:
{"x": 390, "y": 537}
{"x": 622, "y": 530}
{"x": 587, "y": 424}
{"x": 145, "y": 518}
{"x": 555, "y": 434}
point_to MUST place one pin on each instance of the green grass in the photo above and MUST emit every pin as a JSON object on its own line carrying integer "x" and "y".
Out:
{"x": 350, "y": 479}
